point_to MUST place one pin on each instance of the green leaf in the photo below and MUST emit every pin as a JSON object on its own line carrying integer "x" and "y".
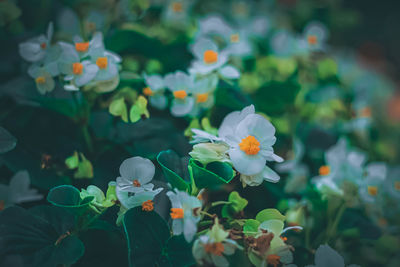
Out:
{"x": 146, "y": 234}
{"x": 67, "y": 196}
{"x": 174, "y": 169}
{"x": 118, "y": 108}
{"x": 215, "y": 174}
{"x": 39, "y": 236}
{"x": 251, "y": 225}
{"x": 179, "y": 252}
{"x": 139, "y": 109}
{"x": 72, "y": 161}
{"x": 65, "y": 107}
{"x": 269, "y": 214}
{"x": 7, "y": 141}
{"x": 237, "y": 204}
{"x": 85, "y": 169}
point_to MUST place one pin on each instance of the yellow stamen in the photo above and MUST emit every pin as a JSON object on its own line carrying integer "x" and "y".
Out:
{"x": 201, "y": 98}
{"x": 216, "y": 248}
{"x": 136, "y": 183}
{"x": 43, "y": 45}
{"x": 210, "y": 57}
{"x": 148, "y": 205}
{"x": 312, "y": 39}
{"x": 324, "y": 170}
{"x": 372, "y": 190}
{"x": 176, "y": 213}
{"x": 102, "y": 62}
{"x": 397, "y": 185}
{"x": 273, "y": 260}
{"x": 77, "y": 68}
{"x": 147, "y": 91}
{"x": 250, "y": 145}
{"x": 82, "y": 47}
{"x": 235, "y": 38}
{"x": 40, "y": 80}
{"x": 177, "y": 7}
{"x": 180, "y": 94}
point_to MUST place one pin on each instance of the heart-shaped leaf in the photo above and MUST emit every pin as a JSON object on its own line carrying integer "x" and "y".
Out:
{"x": 269, "y": 214}
{"x": 67, "y": 196}
{"x": 215, "y": 174}
{"x": 174, "y": 169}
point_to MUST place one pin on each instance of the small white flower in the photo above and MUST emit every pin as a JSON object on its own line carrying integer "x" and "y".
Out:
{"x": 212, "y": 247}
{"x": 315, "y": 35}
{"x": 203, "y": 92}
{"x": 81, "y": 73}
{"x": 185, "y": 213}
{"x": 180, "y": 85}
{"x": 18, "y": 190}
{"x": 43, "y": 79}
{"x": 136, "y": 175}
{"x": 107, "y": 63}
{"x": 209, "y": 59}
{"x": 371, "y": 188}
{"x": 213, "y": 26}
{"x": 36, "y": 48}
{"x": 154, "y": 90}
{"x": 176, "y": 13}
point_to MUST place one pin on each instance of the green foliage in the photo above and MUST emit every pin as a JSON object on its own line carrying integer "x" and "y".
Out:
{"x": 174, "y": 169}
{"x": 212, "y": 175}
{"x": 68, "y": 196}
{"x": 7, "y": 141}
{"x": 269, "y": 214}
{"x": 41, "y": 236}
{"x": 237, "y": 204}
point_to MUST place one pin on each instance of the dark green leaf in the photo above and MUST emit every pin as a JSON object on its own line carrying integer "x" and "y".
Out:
{"x": 179, "y": 252}
{"x": 146, "y": 234}
{"x": 7, "y": 141}
{"x": 216, "y": 173}
{"x": 174, "y": 169}
{"x": 67, "y": 196}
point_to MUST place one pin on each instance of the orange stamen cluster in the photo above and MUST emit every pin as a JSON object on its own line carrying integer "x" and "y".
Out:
{"x": 148, "y": 205}
{"x": 82, "y": 47}
{"x": 136, "y": 183}
{"x": 180, "y": 94}
{"x": 43, "y": 45}
{"x": 235, "y": 38}
{"x": 324, "y": 170}
{"x": 372, "y": 190}
{"x": 201, "y": 98}
{"x": 312, "y": 39}
{"x": 40, "y": 80}
{"x": 366, "y": 112}
{"x": 250, "y": 145}
{"x": 210, "y": 57}
{"x": 273, "y": 260}
{"x": 102, "y": 62}
{"x": 147, "y": 91}
{"x": 177, "y": 7}
{"x": 397, "y": 185}
{"x": 177, "y": 213}
{"x": 214, "y": 248}
{"x": 77, "y": 68}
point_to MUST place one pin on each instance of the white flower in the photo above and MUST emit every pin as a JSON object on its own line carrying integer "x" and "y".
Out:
{"x": 136, "y": 175}
{"x": 283, "y": 43}
{"x": 43, "y": 79}
{"x": 36, "y": 48}
{"x": 180, "y": 85}
{"x": 211, "y": 248}
{"x": 185, "y": 213}
{"x": 325, "y": 256}
{"x": 267, "y": 174}
{"x": 250, "y": 138}
{"x": 392, "y": 183}
{"x": 176, "y": 13}
{"x": 18, "y": 191}
{"x": 209, "y": 59}
{"x": 81, "y": 73}
{"x": 155, "y": 91}
{"x": 315, "y": 35}
{"x": 203, "y": 92}
{"x": 371, "y": 188}
{"x": 213, "y": 26}
{"x": 107, "y": 64}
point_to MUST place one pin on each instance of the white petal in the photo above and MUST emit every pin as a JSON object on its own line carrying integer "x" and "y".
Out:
{"x": 137, "y": 168}
{"x": 219, "y": 261}
{"x": 269, "y": 175}
{"x": 259, "y": 127}
{"x": 327, "y": 257}
{"x": 231, "y": 121}
{"x": 246, "y": 164}
{"x": 229, "y": 72}
{"x": 177, "y": 226}
{"x": 180, "y": 108}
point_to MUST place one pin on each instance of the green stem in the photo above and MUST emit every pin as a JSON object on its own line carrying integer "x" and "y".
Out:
{"x": 216, "y": 203}
{"x": 87, "y": 138}
{"x": 333, "y": 228}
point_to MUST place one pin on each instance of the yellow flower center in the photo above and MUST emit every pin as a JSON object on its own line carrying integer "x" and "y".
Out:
{"x": 40, "y": 80}
{"x": 210, "y": 57}
{"x": 214, "y": 248}
{"x": 177, "y": 7}
{"x": 180, "y": 94}
{"x": 235, "y": 38}
{"x": 201, "y": 98}
{"x": 372, "y": 190}
{"x": 102, "y": 62}
{"x": 176, "y": 213}
{"x": 147, "y": 91}
{"x": 148, "y": 205}
{"x": 82, "y": 47}
{"x": 136, "y": 183}
{"x": 273, "y": 260}
{"x": 250, "y": 145}
{"x": 397, "y": 185}
{"x": 312, "y": 39}
{"x": 77, "y": 68}
{"x": 324, "y": 170}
